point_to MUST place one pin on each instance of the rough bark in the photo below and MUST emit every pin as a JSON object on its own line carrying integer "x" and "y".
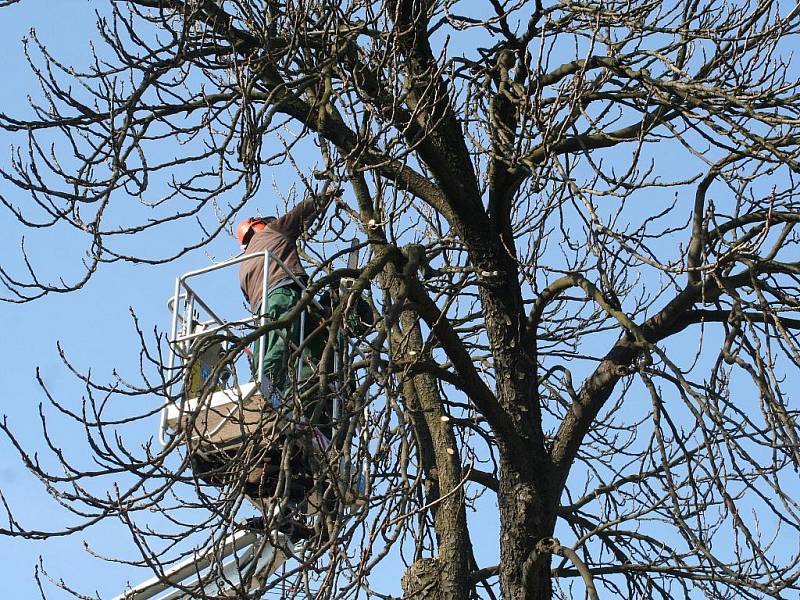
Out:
{"x": 421, "y": 581}
{"x": 440, "y": 460}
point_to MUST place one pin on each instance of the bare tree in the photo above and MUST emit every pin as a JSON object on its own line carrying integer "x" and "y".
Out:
{"x": 581, "y": 219}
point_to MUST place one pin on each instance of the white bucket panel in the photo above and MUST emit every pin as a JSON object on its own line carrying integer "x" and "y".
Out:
{"x": 224, "y": 416}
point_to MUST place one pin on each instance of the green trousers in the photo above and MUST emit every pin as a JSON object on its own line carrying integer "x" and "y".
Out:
{"x": 280, "y": 361}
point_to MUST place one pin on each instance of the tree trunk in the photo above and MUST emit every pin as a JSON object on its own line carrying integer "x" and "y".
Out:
{"x": 441, "y": 462}
{"x": 421, "y": 581}
{"x": 526, "y": 516}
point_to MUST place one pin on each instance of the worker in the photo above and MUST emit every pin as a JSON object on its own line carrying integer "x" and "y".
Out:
{"x": 278, "y": 236}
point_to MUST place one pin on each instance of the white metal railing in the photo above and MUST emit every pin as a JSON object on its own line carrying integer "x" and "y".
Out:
{"x": 186, "y": 325}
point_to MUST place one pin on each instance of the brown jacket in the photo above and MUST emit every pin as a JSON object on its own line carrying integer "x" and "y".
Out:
{"x": 280, "y": 238}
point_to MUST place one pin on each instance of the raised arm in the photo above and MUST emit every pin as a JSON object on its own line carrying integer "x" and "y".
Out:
{"x": 302, "y": 216}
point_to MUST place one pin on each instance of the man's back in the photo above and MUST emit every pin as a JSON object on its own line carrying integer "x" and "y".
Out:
{"x": 279, "y": 237}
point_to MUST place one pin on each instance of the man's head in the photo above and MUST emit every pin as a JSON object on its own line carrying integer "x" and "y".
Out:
{"x": 250, "y": 226}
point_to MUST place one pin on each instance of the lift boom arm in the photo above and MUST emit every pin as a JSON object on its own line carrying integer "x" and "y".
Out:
{"x": 243, "y": 553}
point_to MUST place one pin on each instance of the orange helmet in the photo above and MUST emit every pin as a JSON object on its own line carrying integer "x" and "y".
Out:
{"x": 248, "y": 227}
